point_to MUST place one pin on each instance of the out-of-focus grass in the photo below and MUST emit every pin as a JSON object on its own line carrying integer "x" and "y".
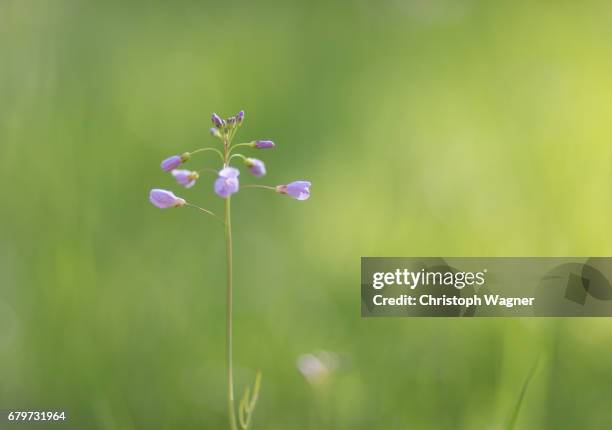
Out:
{"x": 427, "y": 128}
{"x": 521, "y": 397}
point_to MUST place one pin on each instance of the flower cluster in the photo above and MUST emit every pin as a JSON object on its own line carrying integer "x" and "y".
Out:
{"x": 227, "y": 182}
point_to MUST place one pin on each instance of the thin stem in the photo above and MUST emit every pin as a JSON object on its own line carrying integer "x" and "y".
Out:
{"x": 228, "y": 316}
{"x": 238, "y": 155}
{"x": 238, "y": 145}
{"x": 267, "y": 187}
{"x": 208, "y": 169}
{"x": 206, "y": 211}
{"x": 208, "y": 149}
{"x": 233, "y": 132}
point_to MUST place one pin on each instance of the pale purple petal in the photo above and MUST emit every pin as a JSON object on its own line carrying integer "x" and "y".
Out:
{"x": 229, "y": 172}
{"x": 186, "y": 178}
{"x": 225, "y": 187}
{"x": 164, "y": 199}
{"x": 257, "y": 167}
{"x": 171, "y": 163}
{"x": 299, "y": 190}
{"x": 217, "y": 121}
{"x": 264, "y": 144}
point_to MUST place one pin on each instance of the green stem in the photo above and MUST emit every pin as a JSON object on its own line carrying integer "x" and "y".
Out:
{"x": 238, "y": 145}
{"x": 207, "y": 169}
{"x": 238, "y": 155}
{"x": 208, "y": 149}
{"x": 228, "y": 255}
{"x": 206, "y": 211}
{"x": 266, "y": 187}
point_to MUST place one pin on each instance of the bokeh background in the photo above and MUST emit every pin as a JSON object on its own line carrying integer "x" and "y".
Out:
{"x": 427, "y": 127}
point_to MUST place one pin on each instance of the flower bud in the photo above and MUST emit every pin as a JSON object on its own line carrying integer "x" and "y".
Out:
{"x": 215, "y": 132}
{"x": 217, "y": 121}
{"x": 299, "y": 190}
{"x": 164, "y": 199}
{"x": 227, "y": 183}
{"x": 263, "y": 144}
{"x": 240, "y": 117}
{"x": 186, "y": 178}
{"x": 171, "y": 162}
{"x": 257, "y": 167}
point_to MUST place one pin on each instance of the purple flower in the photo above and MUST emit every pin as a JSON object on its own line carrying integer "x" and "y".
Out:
{"x": 187, "y": 178}
{"x": 240, "y": 117}
{"x": 217, "y": 121}
{"x": 299, "y": 190}
{"x": 257, "y": 167}
{"x": 227, "y": 182}
{"x": 174, "y": 161}
{"x": 171, "y": 163}
{"x": 229, "y": 172}
{"x": 263, "y": 144}
{"x": 165, "y": 199}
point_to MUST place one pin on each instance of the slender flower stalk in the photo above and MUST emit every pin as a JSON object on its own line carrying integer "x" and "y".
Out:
{"x": 208, "y": 149}
{"x": 209, "y": 170}
{"x": 267, "y": 187}
{"x": 229, "y": 313}
{"x": 206, "y": 211}
{"x": 229, "y": 295}
{"x": 227, "y": 184}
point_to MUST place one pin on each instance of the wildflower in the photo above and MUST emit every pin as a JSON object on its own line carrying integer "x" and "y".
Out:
{"x": 227, "y": 182}
{"x": 164, "y": 199}
{"x": 187, "y": 178}
{"x": 257, "y": 167}
{"x": 263, "y": 144}
{"x": 299, "y": 190}
{"x": 217, "y": 121}
{"x": 316, "y": 367}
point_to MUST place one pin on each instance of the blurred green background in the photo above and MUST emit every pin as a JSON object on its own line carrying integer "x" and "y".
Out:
{"x": 428, "y": 128}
